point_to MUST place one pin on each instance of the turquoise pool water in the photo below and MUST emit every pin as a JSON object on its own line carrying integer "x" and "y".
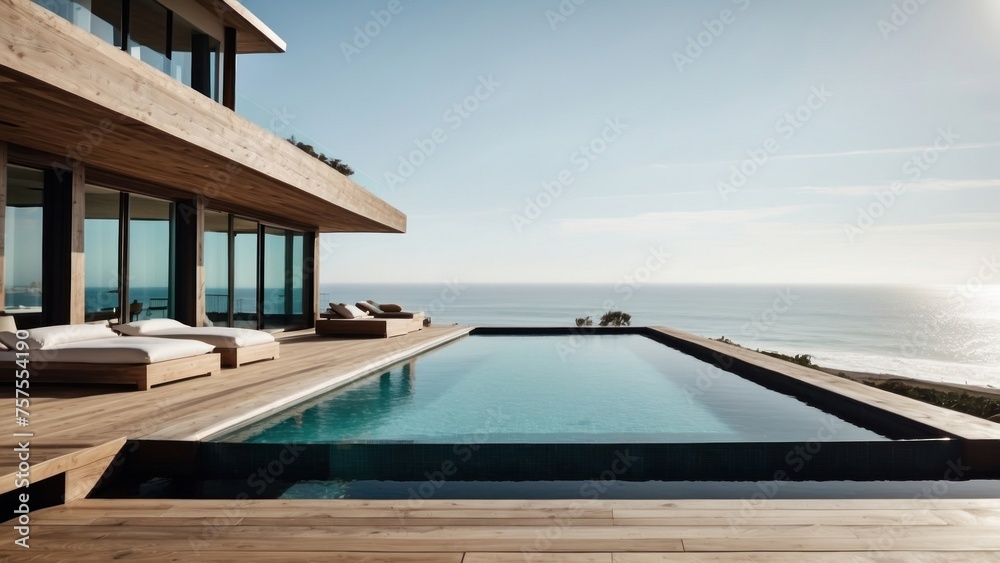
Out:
{"x": 553, "y": 389}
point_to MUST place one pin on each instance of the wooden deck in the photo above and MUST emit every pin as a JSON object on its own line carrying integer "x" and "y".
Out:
{"x": 76, "y": 429}
{"x": 512, "y": 531}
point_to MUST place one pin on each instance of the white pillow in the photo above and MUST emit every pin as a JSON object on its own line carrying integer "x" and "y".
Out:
{"x": 48, "y": 336}
{"x": 342, "y": 310}
{"x": 138, "y": 328}
{"x": 355, "y": 312}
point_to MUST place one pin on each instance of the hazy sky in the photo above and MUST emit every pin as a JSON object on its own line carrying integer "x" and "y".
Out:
{"x": 587, "y": 144}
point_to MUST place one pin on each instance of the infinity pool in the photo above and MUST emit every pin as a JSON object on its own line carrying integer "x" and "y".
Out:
{"x": 552, "y": 389}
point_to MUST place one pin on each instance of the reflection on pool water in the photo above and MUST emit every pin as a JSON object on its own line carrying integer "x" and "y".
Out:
{"x": 553, "y": 389}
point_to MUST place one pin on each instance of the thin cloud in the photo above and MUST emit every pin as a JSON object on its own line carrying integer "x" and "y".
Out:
{"x": 673, "y": 220}
{"x": 894, "y": 150}
{"x": 931, "y": 185}
{"x": 833, "y": 154}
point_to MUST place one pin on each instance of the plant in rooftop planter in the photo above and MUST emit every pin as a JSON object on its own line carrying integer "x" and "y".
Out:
{"x": 584, "y": 321}
{"x": 616, "y": 318}
{"x": 334, "y": 163}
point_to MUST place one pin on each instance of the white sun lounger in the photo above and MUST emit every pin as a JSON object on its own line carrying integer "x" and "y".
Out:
{"x": 237, "y": 346}
{"x": 95, "y": 354}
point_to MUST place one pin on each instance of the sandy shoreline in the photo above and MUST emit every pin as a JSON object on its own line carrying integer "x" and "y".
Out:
{"x": 865, "y": 377}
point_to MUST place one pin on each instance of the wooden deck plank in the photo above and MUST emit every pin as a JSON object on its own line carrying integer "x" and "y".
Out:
{"x": 240, "y": 556}
{"x": 957, "y": 541}
{"x": 799, "y": 557}
{"x": 158, "y": 528}
{"x": 533, "y": 557}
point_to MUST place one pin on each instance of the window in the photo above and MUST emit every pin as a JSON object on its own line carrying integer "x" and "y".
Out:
{"x": 102, "y": 225}
{"x": 217, "y": 268}
{"x": 245, "y": 273}
{"x": 181, "y": 49}
{"x": 23, "y": 240}
{"x": 103, "y": 18}
{"x": 147, "y": 33}
{"x": 283, "y": 277}
{"x": 151, "y": 258}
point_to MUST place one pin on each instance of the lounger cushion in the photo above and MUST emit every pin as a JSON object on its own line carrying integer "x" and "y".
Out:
{"x": 122, "y": 350}
{"x": 138, "y": 328}
{"x": 217, "y": 336}
{"x": 358, "y": 313}
{"x": 369, "y": 308}
{"x": 388, "y": 307}
{"x": 48, "y": 336}
{"x": 8, "y": 339}
{"x": 342, "y": 310}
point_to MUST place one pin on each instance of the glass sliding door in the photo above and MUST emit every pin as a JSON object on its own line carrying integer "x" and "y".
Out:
{"x": 283, "y": 279}
{"x": 22, "y": 259}
{"x": 275, "y": 292}
{"x": 101, "y": 237}
{"x": 245, "y": 274}
{"x": 150, "y": 258}
{"x": 297, "y": 276}
{"x": 217, "y": 302}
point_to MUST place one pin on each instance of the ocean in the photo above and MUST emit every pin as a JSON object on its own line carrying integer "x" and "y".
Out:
{"x": 935, "y": 333}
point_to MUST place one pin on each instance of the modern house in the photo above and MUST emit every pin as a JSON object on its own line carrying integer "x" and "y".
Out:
{"x": 130, "y": 187}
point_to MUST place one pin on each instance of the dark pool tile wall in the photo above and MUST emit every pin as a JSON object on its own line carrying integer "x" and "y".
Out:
{"x": 806, "y": 461}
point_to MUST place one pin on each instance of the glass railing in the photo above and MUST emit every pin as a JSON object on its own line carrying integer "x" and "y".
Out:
{"x": 282, "y": 122}
{"x": 147, "y": 40}
{"x": 100, "y": 17}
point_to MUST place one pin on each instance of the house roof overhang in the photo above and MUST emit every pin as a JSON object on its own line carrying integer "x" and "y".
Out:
{"x": 66, "y": 92}
{"x": 252, "y": 35}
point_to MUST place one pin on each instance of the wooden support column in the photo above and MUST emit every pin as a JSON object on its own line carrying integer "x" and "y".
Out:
{"x": 310, "y": 278}
{"x": 77, "y": 268}
{"x": 3, "y": 218}
{"x": 201, "y": 68}
{"x": 58, "y": 237}
{"x": 229, "y": 69}
{"x": 190, "y": 268}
